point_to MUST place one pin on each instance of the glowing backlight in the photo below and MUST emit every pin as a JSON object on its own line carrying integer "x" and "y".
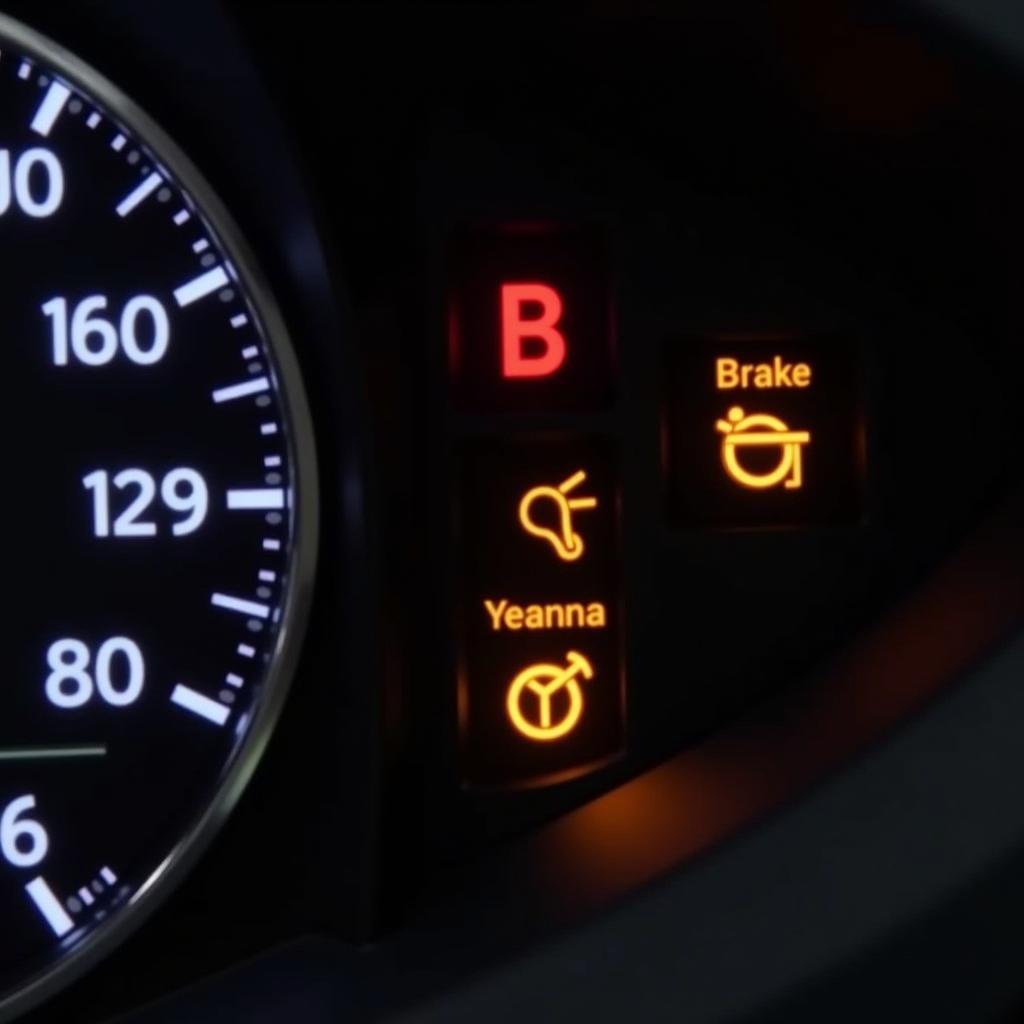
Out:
{"x": 777, "y": 373}
{"x": 504, "y": 614}
{"x": 541, "y": 696}
{"x": 546, "y": 352}
{"x": 531, "y": 698}
{"x": 529, "y": 319}
{"x": 566, "y": 542}
{"x": 762, "y": 430}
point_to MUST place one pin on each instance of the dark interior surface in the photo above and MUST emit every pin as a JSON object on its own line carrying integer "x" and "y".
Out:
{"x": 828, "y": 170}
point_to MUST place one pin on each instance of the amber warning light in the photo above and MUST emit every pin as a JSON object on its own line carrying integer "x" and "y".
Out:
{"x": 761, "y": 430}
{"x": 764, "y": 432}
{"x": 566, "y": 541}
{"x": 541, "y": 687}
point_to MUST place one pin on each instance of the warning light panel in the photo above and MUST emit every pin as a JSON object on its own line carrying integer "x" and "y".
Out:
{"x": 529, "y": 323}
{"x": 541, "y": 695}
{"x": 764, "y": 432}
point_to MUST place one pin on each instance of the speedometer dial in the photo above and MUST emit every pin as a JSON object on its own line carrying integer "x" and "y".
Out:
{"x": 159, "y": 513}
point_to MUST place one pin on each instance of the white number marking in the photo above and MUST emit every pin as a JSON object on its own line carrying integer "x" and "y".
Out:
{"x": 23, "y": 842}
{"x": 134, "y": 679}
{"x": 154, "y": 350}
{"x": 184, "y": 490}
{"x": 36, "y": 163}
{"x": 181, "y": 490}
{"x": 93, "y": 340}
{"x": 126, "y": 524}
{"x": 68, "y": 661}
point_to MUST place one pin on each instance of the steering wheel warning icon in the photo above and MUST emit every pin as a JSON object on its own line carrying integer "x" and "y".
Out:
{"x": 536, "y": 704}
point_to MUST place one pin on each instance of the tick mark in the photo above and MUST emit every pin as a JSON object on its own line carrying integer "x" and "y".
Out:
{"x": 49, "y": 110}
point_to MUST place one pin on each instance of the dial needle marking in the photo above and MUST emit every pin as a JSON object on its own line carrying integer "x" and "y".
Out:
{"x": 51, "y": 753}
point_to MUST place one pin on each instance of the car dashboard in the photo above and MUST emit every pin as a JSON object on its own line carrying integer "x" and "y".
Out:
{"x": 515, "y": 510}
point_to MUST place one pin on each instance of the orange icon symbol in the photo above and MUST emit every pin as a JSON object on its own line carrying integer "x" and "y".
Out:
{"x": 534, "y": 717}
{"x": 568, "y": 544}
{"x": 761, "y": 430}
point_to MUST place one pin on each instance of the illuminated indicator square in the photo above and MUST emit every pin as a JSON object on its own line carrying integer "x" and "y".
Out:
{"x": 529, "y": 320}
{"x": 764, "y": 431}
{"x": 541, "y": 696}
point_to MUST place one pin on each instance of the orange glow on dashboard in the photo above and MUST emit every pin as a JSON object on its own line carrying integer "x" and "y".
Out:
{"x": 652, "y": 823}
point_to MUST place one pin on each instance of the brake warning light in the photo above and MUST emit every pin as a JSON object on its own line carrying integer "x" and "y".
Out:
{"x": 764, "y": 431}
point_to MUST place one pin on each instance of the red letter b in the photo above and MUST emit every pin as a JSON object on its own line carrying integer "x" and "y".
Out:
{"x": 515, "y": 360}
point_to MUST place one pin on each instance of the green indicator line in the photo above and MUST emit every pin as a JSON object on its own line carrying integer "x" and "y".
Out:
{"x": 51, "y": 753}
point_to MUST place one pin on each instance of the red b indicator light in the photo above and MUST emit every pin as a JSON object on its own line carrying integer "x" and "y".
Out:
{"x": 531, "y": 343}
{"x": 529, "y": 320}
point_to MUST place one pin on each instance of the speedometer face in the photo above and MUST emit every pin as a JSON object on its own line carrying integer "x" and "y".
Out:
{"x": 158, "y": 513}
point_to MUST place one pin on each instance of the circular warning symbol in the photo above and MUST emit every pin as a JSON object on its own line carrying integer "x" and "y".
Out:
{"x": 531, "y": 698}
